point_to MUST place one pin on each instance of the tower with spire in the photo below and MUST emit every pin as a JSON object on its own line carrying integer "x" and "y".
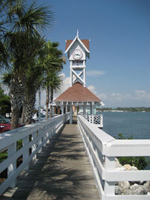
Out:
{"x": 77, "y": 95}
{"x": 78, "y": 52}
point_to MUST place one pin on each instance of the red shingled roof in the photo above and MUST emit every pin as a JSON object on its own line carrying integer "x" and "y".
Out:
{"x": 85, "y": 42}
{"x": 78, "y": 93}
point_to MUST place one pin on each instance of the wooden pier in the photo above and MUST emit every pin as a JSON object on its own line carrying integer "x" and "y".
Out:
{"x": 62, "y": 172}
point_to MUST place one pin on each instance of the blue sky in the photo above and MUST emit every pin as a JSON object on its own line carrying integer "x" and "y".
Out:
{"x": 118, "y": 70}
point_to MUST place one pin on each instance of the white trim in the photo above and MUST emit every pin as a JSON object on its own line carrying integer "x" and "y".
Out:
{"x": 77, "y": 38}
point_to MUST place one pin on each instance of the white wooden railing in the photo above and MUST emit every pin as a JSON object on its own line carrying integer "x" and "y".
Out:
{"x": 102, "y": 150}
{"x": 33, "y": 138}
{"x": 95, "y": 119}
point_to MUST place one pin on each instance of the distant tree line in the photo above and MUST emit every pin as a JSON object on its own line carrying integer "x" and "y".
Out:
{"x": 127, "y": 109}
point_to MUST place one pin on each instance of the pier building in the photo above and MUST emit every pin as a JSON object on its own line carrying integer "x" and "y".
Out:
{"x": 78, "y": 97}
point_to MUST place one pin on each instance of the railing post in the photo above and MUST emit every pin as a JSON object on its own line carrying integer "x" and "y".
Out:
{"x": 26, "y": 153}
{"x": 34, "y": 146}
{"x": 101, "y": 120}
{"x": 62, "y": 109}
{"x": 109, "y": 187}
{"x": 44, "y": 138}
{"x": 71, "y": 113}
{"x": 12, "y": 166}
{"x": 40, "y": 140}
{"x": 92, "y": 119}
{"x": 90, "y": 116}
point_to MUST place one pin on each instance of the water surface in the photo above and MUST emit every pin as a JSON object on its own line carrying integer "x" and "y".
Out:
{"x": 136, "y": 124}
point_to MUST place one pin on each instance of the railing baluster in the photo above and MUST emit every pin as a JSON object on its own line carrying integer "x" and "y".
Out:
{"x": 26, "y": 153}
{"x": 40, "y": 140}
{"x": 109, "y": 187}
{"x": 34, "y": 135}
{"x": 12, "y": 166}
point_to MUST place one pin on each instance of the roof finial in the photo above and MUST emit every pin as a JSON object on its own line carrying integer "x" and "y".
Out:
{"x": 77, "y": 33}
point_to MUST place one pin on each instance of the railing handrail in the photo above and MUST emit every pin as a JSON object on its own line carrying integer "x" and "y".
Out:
{"x": 6, "y": 138}
{"x": 40, "y": 133}
{"x": 102, "y": 150}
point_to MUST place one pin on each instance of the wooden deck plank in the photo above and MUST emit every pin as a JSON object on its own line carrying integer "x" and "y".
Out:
{"x": 62, "y": 172}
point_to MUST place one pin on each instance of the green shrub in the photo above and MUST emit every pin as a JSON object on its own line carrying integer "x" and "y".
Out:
{"x": 3, "y": 156}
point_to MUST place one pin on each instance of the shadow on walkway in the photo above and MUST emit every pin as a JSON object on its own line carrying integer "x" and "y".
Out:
{"x": 62, "y": 172}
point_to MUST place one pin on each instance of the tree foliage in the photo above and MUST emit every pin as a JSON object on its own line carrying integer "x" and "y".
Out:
{"x": 5, "y": 106}
{"x": 21, "y": 23}
{"x": 52, "y": 62}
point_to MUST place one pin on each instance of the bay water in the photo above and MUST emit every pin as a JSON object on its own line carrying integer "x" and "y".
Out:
{"x": 136, "y": 124}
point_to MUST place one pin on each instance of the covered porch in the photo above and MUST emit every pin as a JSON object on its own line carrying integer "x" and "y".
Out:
{"x": 78, "y": 98}
{"x": 77, "y": 108}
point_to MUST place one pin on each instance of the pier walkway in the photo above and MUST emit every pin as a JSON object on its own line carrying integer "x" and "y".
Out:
{"x": 62, "y": 172}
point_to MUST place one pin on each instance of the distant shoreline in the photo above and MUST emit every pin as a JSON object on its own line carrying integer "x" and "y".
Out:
{"x": 124, "y": 109}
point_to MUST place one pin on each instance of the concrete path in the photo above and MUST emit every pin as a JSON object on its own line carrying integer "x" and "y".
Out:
{"x": 62, "y": 172}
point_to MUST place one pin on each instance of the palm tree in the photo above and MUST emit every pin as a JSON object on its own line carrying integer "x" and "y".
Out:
{"x": 55, "y": 84}
{"x": 34, "y": 78}
{"x": 52, "y": 63}
{"x": 22, "y": 40}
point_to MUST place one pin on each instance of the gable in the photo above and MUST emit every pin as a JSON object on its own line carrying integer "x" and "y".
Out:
{"x": 85, "y": 42}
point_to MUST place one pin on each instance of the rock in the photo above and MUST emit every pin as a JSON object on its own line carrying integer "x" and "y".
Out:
{"x": 117, "y": 190}
{"x": 122, "y": 187}
{"x": 130, "y": 168}
{"x": 139, "y": 190}
{"x": 147, "y": 185}
{"x": 134, "y": 186}
{"x": 124, "y": 184}
{"x": 117, "y": 163}
{"x": 133, "y": 168}
{"x": 127, "y": 167}
{"x": 131, "y": 188}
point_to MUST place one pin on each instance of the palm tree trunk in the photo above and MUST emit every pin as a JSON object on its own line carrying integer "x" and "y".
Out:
{"x": 17, "y": 88}
{"x": 29, "y": 103}
{"x": 14, "y": 117}
{"x": 51, "y": 101}
{"x": 23, "y": 113}
{"x": 47, "y": 101}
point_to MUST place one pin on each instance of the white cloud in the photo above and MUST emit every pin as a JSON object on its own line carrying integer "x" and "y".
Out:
{"x": 137, "y": 98}
{"x": 142, "y": 95}
{"x": 103, "y": 96}
{"x": 65, "y": 85}
{"x": 92, "y": 89}
{"x": 95, "y": 73}
{"x": 116, "y": 96}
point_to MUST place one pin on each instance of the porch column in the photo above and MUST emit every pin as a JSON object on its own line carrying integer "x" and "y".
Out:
{"x": 62, "y": 108}
{"x": 84, "y": 109}
{"x": 58, "y": 110}
{"x": 92, "y": 108}
{"x": 71, "y": 113}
